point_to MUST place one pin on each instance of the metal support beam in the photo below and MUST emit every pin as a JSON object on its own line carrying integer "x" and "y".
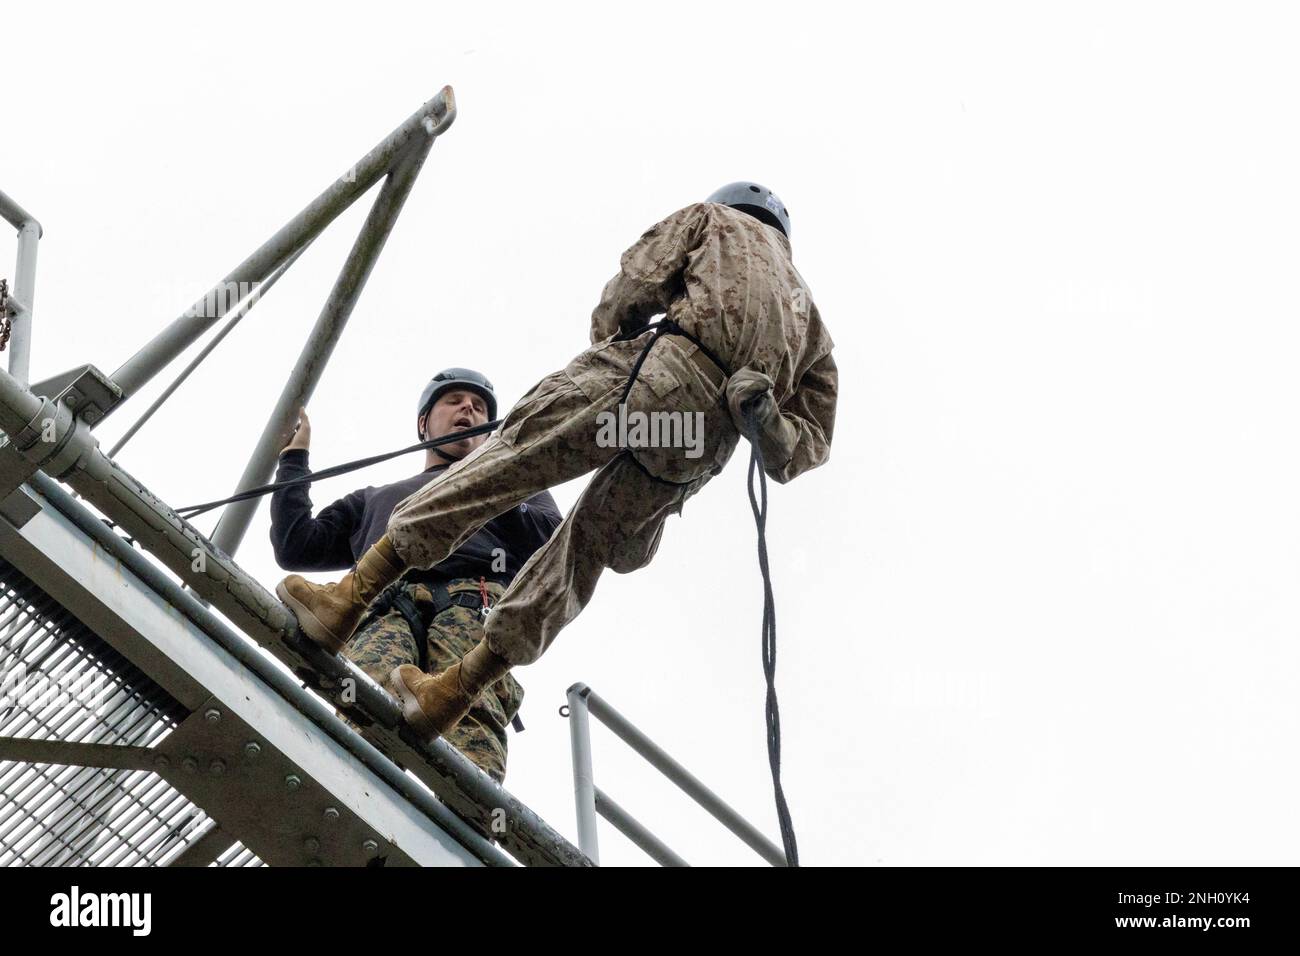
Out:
{"x": 429, "y": 121}
{"x": 69, "y": 754}
{"x": 634, "y": 831}
{"x": 584, "y": 786}
{"x": 320, "y": 345}
{"x": 209, "y": 845}
{"x": 24, "y": 291}
{"x": 245, "y": 307}
{"x": 304, "y": 812}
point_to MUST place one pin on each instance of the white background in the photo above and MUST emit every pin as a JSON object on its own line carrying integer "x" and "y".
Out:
{"x": 1040, "y": 606}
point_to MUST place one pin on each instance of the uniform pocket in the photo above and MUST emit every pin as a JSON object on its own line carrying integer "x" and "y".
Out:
{"x": 694, "y": 433}
{"x": 603, "y": 370}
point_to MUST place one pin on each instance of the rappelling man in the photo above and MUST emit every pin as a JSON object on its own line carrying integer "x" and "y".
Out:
{"x": 742, "y": 350}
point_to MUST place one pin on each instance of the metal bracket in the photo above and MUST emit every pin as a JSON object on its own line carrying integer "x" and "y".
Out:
{"x": 88, "y": 393}
{"x": 83, "y": 393}
{"x": 277, "y": 808}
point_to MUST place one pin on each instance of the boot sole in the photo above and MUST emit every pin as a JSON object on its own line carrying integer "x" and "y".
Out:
{"x": 410, "y": 706}
{"x": 308, "y": 623}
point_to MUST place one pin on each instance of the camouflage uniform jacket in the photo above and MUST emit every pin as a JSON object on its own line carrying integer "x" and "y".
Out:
{"x": 728, "y": 279}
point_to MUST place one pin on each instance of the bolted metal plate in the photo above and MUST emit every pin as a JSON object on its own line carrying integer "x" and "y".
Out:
{"x": 256, "y": 794}
{"x": 88, "y": 392}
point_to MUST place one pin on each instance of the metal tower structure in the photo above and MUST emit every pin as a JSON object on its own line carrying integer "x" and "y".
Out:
{"x": 143, "y": 722}
{"x": 137, "y": 725}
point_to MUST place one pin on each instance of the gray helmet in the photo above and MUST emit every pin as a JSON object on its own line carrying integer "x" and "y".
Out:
{"x": 759, "y": 201}
{"x": 453, "y": 378}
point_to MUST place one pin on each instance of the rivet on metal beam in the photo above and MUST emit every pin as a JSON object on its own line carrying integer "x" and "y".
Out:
{"x": 217, "y": 767}
{"x": 332, "y": 814}
{"x": 190, "y": 764}
{"x": 371, "y": 847}
{"x": 293, "y": 782}
{"x": 161, "y": 762}
{"x": 212, "y": 716}
{"x": 252, "y": 749}
{"x": 311, "y": 845}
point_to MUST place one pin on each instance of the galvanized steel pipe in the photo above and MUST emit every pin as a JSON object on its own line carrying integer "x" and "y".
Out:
{"x": 430, "y": 120}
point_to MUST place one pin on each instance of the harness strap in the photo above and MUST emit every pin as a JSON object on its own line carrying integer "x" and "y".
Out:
{"x": 661, "y": 328}
{"x": 405, "y": 605}
{"x": 395, "y": 597}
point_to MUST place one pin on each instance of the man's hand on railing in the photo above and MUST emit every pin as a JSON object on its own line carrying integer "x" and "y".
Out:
{"x": 302, "y": 434}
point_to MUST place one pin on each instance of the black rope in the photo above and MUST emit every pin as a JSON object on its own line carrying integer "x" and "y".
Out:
{"x": 759, "y": 505}
{"x": 193, "y": 511}
{"x": 660, "y": 329}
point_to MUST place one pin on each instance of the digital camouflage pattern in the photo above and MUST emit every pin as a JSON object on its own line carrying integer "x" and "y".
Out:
{"x": 383, "y": 642}
{"x": 549, "y": 438}
{"x": 720, "y": 274}
{"x": 728, "y": 279}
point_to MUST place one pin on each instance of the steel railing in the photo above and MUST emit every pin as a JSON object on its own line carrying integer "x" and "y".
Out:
{"x": 592, "y": 801}
{"x": 23, "y": 295}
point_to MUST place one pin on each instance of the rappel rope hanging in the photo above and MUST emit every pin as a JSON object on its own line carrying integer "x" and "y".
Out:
{"x": 759, "y": 505}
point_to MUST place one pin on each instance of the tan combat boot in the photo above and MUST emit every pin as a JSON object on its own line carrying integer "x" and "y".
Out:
{"x": 433, "y": 704}
{"x": 328, "y": 613}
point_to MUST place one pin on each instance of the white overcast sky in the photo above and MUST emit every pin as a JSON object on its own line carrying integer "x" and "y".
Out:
{"x": 1040, "y": 607}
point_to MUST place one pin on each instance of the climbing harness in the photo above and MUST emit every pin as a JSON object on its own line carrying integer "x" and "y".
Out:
{"x": 661, "y": 328}
{"x": 419, "y": 615}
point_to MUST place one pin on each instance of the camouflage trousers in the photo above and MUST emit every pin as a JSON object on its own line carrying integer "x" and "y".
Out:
{"x": 559, "y": 431}
{"x": 384, "y": 641}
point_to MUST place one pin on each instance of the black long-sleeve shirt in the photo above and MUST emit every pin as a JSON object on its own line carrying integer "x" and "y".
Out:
{"x": 334, "y": 539}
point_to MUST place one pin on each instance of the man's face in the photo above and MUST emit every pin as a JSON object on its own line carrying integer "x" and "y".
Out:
{"x": 455, "y": 411}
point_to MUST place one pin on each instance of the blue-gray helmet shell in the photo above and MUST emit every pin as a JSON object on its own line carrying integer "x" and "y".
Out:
{"x": 450, "y": 379}
{"x": 759, "y": 201}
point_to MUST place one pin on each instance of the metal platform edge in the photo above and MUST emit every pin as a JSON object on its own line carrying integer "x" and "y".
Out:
{"x": 73, "y": 555}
